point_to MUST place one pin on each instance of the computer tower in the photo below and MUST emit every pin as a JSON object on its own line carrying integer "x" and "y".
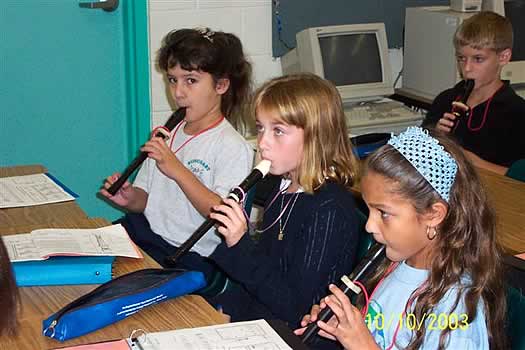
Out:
{"x": 429, "y": 58}
{"x": 466, "y": 5}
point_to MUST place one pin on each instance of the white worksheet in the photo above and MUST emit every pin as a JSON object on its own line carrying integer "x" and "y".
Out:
{"x": 41, "y": 244}
{"x": 249, "y": 335}
{"x": 27, "y": 190}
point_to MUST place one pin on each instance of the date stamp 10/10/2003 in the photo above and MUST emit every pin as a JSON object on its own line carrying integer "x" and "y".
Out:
{"x": 432, "y": 321}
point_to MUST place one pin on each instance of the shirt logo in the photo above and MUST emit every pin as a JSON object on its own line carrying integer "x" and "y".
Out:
{"x": 374, "y": 310}
{"x": 198, "y": 167}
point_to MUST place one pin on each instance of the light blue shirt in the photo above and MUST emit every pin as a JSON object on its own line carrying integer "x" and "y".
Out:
{"x": 388, "y": 303}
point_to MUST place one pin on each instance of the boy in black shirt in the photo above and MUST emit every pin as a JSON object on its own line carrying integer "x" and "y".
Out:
{"x": 493, "y": 132}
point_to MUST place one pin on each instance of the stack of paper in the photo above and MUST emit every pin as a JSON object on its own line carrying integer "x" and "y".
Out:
{"x": 35, "y": 189}
{"x": 68, "y": 256}
{"x": 253, "y": 335}
{"x": 41, "y": 244}
{"x": 256, "y": 335}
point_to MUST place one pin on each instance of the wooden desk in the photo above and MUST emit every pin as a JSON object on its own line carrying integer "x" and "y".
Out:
{"x": 38, "y": 303}
{"x": 508, "y": 198}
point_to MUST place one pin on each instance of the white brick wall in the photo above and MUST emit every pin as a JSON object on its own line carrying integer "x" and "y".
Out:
{"x": 250, "y": 20}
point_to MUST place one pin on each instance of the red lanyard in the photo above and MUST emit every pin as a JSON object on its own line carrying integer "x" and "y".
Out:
{"x": 193, "y": 136}
{"x": 485, "y": 112}
{"x": 469, "y": 121}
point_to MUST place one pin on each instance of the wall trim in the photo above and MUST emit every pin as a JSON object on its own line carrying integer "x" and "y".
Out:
{"x": 137, "y": 79}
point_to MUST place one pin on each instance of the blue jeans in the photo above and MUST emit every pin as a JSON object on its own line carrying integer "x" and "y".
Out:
{"x": 140, "y": 232}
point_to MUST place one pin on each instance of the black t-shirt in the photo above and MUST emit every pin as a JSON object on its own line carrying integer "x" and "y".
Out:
{"x": 500, "y": 138}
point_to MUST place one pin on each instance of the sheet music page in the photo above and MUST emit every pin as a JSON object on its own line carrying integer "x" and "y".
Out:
{"x": 105, "y": 241}
{"x": 250, "y": 335}
{"x": 27, "y": 190}
{"x": 21, "y": 247}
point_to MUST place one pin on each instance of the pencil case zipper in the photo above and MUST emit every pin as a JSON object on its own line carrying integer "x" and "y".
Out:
{"x": 81, "y": 302}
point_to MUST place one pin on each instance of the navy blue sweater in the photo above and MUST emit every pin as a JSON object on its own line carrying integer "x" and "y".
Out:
{"x": 283, "y": 279}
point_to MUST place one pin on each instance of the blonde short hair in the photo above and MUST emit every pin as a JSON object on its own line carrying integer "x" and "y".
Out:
{"x": 314, "y": 105}
{"x": 485, "y": 30}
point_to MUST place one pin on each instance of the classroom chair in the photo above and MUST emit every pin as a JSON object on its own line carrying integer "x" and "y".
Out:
{"x": 366, "y": 144}
{"x": 219, "y": 282}
{"x": 517, "y": 170}
{"x": 516, "y": 318}
{"x": 365, "y": 238}
{"x": 515, "y": 279}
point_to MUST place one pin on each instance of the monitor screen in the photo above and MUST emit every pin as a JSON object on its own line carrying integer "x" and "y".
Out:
{"x": 359, "y": 49}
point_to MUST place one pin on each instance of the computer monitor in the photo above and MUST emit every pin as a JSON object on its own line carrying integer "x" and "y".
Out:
{"x": 354, "y": 57}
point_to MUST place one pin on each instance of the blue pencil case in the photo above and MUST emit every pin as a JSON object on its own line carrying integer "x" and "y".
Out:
{"x": 120, "y": 298}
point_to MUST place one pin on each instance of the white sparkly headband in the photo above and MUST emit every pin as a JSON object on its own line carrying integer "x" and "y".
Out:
{"x": 428, "y": 157}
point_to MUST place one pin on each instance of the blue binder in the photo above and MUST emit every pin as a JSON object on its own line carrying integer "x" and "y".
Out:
{"x": 62, "y": 270}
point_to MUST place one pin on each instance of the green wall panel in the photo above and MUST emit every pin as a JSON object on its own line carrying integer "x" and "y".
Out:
{"x": 64, "y": 93}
